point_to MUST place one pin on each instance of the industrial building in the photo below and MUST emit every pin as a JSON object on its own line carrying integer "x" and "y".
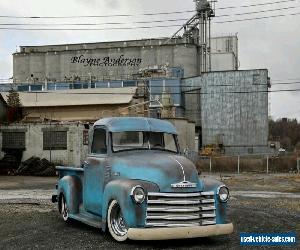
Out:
{"x": 93, "y": 62}
{"x": 190, "y": 76}
{"x": 217, "y": 102}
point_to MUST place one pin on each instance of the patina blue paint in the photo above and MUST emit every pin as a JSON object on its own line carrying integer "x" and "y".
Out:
{"x": 70, "y": 186}
{"x": 210, "y": 184}
{"x": 134, "y": 214}
{"x": 120, "y": 124}
{"x": 160, "y": 168}
{"x": 91, "y": 188}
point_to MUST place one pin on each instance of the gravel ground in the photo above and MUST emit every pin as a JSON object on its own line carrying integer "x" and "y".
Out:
{"x": 33, "y": 222}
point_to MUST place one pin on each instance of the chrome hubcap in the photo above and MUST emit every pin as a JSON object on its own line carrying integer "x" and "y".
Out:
{"x": 64, "y": 210}
{"x": 117, "y": 221}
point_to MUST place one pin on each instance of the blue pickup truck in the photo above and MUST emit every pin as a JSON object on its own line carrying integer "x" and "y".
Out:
{"x": 137, "y": 184}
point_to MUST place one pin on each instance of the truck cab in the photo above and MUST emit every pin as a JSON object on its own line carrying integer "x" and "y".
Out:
{"x": 137, "y": 184}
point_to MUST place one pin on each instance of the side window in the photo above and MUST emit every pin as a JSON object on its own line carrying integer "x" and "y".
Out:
{"x": 99, "y": 142}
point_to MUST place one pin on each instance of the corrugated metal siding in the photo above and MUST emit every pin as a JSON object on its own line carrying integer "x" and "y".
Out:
{"x": 229, "y": 114}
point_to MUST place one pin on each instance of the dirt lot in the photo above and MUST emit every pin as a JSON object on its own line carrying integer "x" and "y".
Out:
{"x": 29, "y": 221}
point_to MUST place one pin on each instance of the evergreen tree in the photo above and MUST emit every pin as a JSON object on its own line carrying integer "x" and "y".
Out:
{"x": 13, "y": 99}
{"x": 14, "y": 106}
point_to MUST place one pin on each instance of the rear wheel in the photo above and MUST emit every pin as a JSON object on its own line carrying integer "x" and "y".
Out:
{"x": 116, "y": 223}
{"x": 64, "y": 209}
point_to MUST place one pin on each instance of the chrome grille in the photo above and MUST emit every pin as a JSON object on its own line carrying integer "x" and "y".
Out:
{"x": 180, "y": 209}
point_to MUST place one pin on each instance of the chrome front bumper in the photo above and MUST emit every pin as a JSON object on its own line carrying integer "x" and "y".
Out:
{"x": 179, "y": 232}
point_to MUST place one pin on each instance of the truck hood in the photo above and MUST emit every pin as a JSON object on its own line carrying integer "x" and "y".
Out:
{"x": 161, "y": 168}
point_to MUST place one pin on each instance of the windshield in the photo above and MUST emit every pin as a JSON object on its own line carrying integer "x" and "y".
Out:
{"x": 124, "y": 141}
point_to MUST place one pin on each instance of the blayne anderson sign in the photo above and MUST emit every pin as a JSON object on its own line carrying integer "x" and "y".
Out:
{"x": 106, "y": 61}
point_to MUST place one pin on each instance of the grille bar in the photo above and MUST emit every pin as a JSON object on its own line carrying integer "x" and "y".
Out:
{"x": 206, "y": 222}
{"x": 205, "y": 201}
{"x": 208, "y": 208}
{"x": 174, "y": 195}
{"x": 174, "y": 209}
{"x": 172, "y": 217}
{"x": 180, "y": 209}
{"x": 175, "y": 202}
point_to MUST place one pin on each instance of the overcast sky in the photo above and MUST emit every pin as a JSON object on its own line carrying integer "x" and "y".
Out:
{"x": 269, "y": 43}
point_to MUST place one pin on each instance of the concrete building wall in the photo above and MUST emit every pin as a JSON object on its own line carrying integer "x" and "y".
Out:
{"x": 186, "y": 132}
{"x": 224, "y": 44}
{"x": 234, "y": 109}
{"x": 223, "y": 61}
{"x": 224, "y": 53}
{"x": 73, "y": 155}
{"x": 191, "y": 136}
{"x": 115, "y": 59}
{"x": 101, "y": 61}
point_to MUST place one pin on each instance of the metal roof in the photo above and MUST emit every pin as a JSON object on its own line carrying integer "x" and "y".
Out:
{"x": 119, "y": 124}
{"x": 75, "y": 97}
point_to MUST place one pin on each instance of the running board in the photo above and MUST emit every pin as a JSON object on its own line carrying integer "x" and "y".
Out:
{"x": 90, "y": 220}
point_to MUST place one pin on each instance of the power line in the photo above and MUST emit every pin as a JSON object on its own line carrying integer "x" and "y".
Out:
{"x": 140, "y": 14}
{"x": 90, "y": 24}
{"x": 172, "y": 93}
{"x": 136, "y": 22}
{"x": 254, "y": 5}
{"x": 290, "y": 79}
{"x": 257, "y": 12}
{"x": 143, "y": 27}
{"x": 284, "y": 83}
{"x": 92, "y": 29}
{"x": 257, "y": 18}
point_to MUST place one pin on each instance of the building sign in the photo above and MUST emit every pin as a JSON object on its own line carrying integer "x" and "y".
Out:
{"x": 107, "y": 61}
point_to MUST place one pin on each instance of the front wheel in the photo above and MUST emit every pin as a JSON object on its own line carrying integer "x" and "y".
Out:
{"x": 116, "y": 223}
{"x": 64, "y": 209}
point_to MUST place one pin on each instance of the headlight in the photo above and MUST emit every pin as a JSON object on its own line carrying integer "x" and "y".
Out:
{"x": 223, "y": 193}
{"x": 138, "y": 194}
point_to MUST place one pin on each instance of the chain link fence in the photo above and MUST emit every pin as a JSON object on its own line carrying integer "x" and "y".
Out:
{"x": 288, "y": 163}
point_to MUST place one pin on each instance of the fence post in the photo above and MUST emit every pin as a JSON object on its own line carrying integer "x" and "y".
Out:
{"x": 267, "y": 164}
{"x": 238, "y": 164}
{"x": 210, "y": 164}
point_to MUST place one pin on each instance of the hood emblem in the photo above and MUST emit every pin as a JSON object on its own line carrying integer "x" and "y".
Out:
{"x": 184, "y": 184}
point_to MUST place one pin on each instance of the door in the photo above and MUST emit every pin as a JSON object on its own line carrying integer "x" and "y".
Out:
{"x": 94, "y": 173}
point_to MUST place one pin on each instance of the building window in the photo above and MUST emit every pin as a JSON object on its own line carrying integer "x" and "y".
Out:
{"x": 99, "y": 142}
{"x": 55, "y": 140}
{"x": 85, "y": 134}
{"x": 13, "y": 140}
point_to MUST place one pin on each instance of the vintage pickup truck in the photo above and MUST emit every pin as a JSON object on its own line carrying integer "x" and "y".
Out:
{"x": 136, "y": 183}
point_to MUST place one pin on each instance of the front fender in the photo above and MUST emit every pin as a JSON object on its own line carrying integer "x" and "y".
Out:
{"x": 71, "y": 187}
{"x": 119, "y": 190}
{"x": 211, "y": 184}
